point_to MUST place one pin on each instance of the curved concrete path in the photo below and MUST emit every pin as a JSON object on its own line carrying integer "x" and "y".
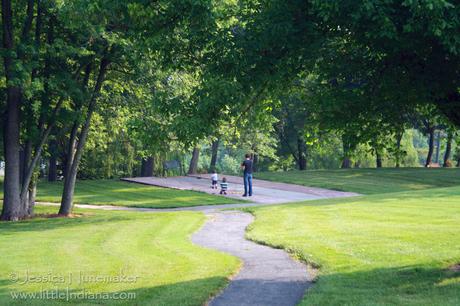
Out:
{"x": 268, "y": 277}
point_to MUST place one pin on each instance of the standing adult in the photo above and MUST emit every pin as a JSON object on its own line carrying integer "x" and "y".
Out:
{"x": 246, "y": 165}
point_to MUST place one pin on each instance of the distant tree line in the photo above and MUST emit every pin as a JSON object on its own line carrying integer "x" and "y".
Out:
{"x": 99, "y": 88}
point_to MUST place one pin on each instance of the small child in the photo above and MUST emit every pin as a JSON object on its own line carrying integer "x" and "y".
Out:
{"x": 214, "y": 179}
{"x": 223, "y": 186}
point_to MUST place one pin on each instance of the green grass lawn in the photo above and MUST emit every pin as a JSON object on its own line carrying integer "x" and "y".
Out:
{"x": 392, "y": 248}
{"x": 370, "y": 181}
{"x": 114, "y": 192}
{"x": 152, "y": 251}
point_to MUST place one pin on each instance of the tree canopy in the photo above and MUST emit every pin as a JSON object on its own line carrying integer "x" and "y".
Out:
{"x": 285, "y": 80}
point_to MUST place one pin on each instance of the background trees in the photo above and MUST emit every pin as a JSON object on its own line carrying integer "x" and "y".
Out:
{"x": 299, "y": 84}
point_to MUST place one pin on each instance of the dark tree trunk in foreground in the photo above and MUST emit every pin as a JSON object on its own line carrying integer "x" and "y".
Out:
{"x": 74, "y": 158}
{"x": 19, "y": 186}
{"x": 11, "y": 198}
{"x": 11, "y": 187}
{"x": 430, "y": 147}
{"x": 214, "y": 151}
{"x": 302, "y": 153}
{"x": 147, "y": 166}
{"x": 193, "y": 168}
{"x": 446, "y": 162}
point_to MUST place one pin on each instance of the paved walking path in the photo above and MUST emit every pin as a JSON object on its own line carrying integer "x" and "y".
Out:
{"x": 265, "y": 192}
{"x": 269, "y": 276}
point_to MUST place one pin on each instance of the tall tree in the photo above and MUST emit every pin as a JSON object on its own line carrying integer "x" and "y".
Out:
{"x": 193, "y": 167}
{"x": 214, "y": 152}
{"x": 24, "y": 74}
{"x": 451, "y": 134}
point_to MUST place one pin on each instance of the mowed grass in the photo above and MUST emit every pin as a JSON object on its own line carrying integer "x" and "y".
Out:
{"x": 369, "y": 181}
{"x": 381, "y": 249}
{"x": 119, "y": 193}
{"x": 152, "y": 252}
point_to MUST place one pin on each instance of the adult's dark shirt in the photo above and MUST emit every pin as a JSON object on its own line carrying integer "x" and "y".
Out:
{"x": 247, "y": 164}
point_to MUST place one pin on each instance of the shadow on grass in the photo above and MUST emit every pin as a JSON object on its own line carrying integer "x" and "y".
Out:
{"x": 194, "y": 292}
{"x": 43, "y": 224}
{"x": 407, "y": 285}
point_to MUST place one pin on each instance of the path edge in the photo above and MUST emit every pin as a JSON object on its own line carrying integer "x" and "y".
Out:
{"x": 313, "y": 268}
{"x": 232, "y": 275}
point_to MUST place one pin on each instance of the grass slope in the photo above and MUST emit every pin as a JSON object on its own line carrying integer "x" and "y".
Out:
{"x": 381, "y": 249}
{"x": 155, "y": 248}
{"x": 370, "y": 181}
{"x": 113, "y": 192}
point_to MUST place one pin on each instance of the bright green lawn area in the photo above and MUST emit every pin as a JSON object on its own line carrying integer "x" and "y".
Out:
{"x": 370, "y": 181}
{"x": 154, "y": 248}
{"x": 114, "y": 192}
{"x": 382, "y": 249}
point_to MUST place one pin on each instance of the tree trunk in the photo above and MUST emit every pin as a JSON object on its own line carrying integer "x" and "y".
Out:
{"x": 438, "y": 146}
{"x": 193, "y": 168}
{"x": 147, "y": 166}
{"x": 446, "y": 162}
{"x": 378, "y": 159}
{"x": 430, "y": 147}
{"x": 70, "y": 179}
{"x": 70, "y": 149}
{"x": 67, "y": 194}
{"x": 11, "y": 197}
{"x": 255, "y": 162}
{"x": 346, "y": 160}
{"x": 27, "y": 165}
{"x": 52, "y": 162}
{"x": 52, "y": 169}
{"x": 346, "y": 163}
{"x": 214, "y": 151}
{"x": 22, "y": 161}
{"x": 143, "y": 161}
{"x": 11, "y": 187}
{"x": 31, "y": 198}
{"x": 398, "y": 148}
{"x": 302, "y": 153}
